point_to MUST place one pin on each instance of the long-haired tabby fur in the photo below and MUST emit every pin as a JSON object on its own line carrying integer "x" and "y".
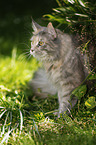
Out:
{"x": 62, "y": 69}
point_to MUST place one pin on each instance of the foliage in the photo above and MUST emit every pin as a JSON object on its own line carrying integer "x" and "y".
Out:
{"x": 78, "y": 17}
{"x": 14, "y": 75}
{"x": 75, "y": 13}
{"x": 30, "y": 120}
{"x": 90, "y": 103}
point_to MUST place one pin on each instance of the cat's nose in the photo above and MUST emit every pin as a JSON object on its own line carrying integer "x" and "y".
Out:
{"x": 32, "y": 50}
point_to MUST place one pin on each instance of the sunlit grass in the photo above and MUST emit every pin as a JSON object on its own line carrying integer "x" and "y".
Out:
{"x": 24, "y": 120}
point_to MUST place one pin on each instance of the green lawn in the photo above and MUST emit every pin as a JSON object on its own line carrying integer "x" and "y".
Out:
{"x": 25, "y": 119}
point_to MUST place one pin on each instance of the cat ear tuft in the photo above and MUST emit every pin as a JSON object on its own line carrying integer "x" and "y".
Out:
{"x": 35, "y": 26}
{"x": 51, "y": 30}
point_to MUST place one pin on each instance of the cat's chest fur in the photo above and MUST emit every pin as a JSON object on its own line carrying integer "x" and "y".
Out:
{"x": 53, "y": 70}
{"x": 64, "y": 73}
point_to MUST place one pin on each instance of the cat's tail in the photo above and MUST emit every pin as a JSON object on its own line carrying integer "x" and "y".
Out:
{"x": 41, "y": 85}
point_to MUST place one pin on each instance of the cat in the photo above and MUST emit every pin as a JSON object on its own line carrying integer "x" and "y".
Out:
{"x": 63, "y": 68}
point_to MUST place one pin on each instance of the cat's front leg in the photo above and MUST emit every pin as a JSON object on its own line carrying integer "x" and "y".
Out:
{"x": 65, "y": 102}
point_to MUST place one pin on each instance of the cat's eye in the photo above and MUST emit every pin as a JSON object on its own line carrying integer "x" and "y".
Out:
{"x": 40, "y": 43}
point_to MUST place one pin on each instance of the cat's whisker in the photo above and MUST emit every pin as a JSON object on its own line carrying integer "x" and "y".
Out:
{"x": 25, "y": 53}
{"x": 29, "y": 56}
{"x": 22, "y": 57}
{"x": 26, "y": 49}
{"x": 24, "y": 44}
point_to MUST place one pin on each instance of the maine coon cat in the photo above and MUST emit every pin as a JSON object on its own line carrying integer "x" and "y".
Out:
{"x": 62, "y": 69}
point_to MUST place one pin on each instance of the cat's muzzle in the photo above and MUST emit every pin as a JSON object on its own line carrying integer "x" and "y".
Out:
{"x": 32, "y": 52}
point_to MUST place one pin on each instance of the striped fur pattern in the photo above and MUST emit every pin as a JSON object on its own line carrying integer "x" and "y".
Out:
{"x": 63, "y": 69}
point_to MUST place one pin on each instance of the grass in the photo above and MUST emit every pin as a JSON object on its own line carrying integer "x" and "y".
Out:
{"x": 25, "y": 119}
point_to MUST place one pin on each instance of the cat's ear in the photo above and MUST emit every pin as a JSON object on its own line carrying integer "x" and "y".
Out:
{"x": 35, "y": 26}
{"x": 51, "y": 30}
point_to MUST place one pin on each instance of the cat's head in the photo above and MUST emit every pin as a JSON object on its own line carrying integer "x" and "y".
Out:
{"x": 43, "y": 41}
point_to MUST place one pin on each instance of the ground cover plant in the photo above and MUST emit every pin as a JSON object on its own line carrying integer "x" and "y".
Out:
{"x": 26, "y": 119}
{"x": 78, "y": 17}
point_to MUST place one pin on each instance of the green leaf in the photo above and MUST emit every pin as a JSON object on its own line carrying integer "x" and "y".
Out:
{"x": 2, "y": 113}
{"x": 90, "y": 103}
{"x": 81, "y": 15}
{"x": 51, "y": 17}
{"x": 82, "y": 3}
{"x": 21, "y": 120}
{"x": 93, "y": 76}
{"x": 80, "y": 91}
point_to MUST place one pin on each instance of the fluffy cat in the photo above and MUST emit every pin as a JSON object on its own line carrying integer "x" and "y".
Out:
{"x": 62, "y": 70}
